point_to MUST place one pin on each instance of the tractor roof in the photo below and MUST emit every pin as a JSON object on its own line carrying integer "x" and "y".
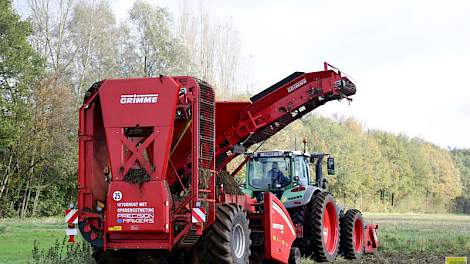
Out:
{"x": 277, "y": 153}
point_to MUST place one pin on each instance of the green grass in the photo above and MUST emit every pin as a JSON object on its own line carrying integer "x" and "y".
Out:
{"x": 417, "y": 238}
{"x": 401, "y": 236}
{"x": 423, "y": 233}
{"x": 17, "y": 237}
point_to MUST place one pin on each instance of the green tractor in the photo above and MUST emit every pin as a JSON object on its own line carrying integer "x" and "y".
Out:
{"x": 323, "y": 228}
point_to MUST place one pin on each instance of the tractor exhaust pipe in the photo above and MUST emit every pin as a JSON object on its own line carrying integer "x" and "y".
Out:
{"x": 318, "y": 159}
{"x": 319, "y": 171}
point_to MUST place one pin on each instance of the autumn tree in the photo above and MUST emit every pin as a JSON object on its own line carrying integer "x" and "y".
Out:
{"x": 158, "y": 50}
{"x": 214, "y": 49}
{"x": 20, "y": 69}
{"x": 462, "y": 160}
{"x": 50, "y": 35}
{"x": 93, "y": 35}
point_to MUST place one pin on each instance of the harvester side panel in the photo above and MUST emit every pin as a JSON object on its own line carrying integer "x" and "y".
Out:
{"x": 91, "y": 165}
{"x": 279, "y": 231}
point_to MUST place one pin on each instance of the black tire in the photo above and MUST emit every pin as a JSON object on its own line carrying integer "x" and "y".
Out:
{"x": 352, "y": 234}
{"x": 298, "y": 218}
{"x": 320, "y": 248}
{"x": 228, "y": 238}
{"x": 295, "y": 256}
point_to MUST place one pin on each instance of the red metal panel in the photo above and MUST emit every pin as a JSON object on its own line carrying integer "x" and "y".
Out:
{"x": 227, "y": 113}
{"x": 371, "y": 241}
{"x": 139, "y": 102}
{"x": 243, "y": 200}
{"x": 91, "y": 186}
{"x": 140, "y": 244}
{"x": 279, "y": 231}
{"x": 134, "y": 208}
{"x": 151, "y": 110}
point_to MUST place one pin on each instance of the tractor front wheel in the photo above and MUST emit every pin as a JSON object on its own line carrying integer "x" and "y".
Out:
{"x": 229, "y": 236}
{"x": 298, "y": 216}
{"x": 324, "y": 227}
{"x": 352, "y": 234}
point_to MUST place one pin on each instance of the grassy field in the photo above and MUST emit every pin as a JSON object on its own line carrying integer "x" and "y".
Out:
{"x": 404, "y": 238}
{"x": 436, "y": 234}
{"x": 418, "y": 238}
{"x": 17, "y": 237}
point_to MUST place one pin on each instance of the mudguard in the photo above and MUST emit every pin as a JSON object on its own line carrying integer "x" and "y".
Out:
{"x": 279, "y": 231}
{"x": 296, "y": 199}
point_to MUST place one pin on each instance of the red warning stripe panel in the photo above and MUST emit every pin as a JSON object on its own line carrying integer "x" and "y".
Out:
{"x": 198, "y": 215}
{"x": 71, "y": 216}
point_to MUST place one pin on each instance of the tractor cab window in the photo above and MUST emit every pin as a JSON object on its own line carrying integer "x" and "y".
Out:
{"x": 301, "y": 170}
{"x": 269, "y": 172}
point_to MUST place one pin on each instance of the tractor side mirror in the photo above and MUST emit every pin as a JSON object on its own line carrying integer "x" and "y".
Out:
{"x": 330, "y": 164}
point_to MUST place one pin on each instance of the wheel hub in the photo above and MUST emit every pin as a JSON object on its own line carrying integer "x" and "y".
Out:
{"x": 238, "y": 241}
{"x": 330, "y": 231}
{"x": 358, "y": 235}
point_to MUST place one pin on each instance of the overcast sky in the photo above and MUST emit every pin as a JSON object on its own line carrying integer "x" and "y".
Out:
{"x": 409, "y": 59}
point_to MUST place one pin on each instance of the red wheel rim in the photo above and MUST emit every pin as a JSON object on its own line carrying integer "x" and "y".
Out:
{"x": 358, "y": 235}
{"x": 330, "y": 228}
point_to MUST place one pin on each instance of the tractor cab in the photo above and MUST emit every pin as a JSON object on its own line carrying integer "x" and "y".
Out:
{"x": 285, "y": 174}
{"x": 277, "y": 170}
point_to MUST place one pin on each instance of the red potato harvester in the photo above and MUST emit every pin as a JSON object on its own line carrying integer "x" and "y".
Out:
{"x": 152, "y": 155}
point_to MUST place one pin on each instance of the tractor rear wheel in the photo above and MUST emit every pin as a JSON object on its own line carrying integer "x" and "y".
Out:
{"x": 228, "y": 238}
{"x": 323, "y": 226}
{"x": 352, "y": 234}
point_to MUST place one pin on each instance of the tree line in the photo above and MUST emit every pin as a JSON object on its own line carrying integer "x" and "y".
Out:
{"x": 381, "y": 171}
{"x": 51, "y": 54}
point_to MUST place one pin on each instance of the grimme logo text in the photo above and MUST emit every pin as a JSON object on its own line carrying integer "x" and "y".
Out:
{"x": 138, "y": 98}
{"x": 296, "y": 85}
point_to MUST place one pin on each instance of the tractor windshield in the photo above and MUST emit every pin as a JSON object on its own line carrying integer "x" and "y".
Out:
{"x": 269, "y": 172}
